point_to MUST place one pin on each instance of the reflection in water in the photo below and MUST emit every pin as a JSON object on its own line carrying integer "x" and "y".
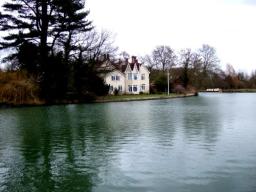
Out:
{"x": 202, "y": 121}
{"x": 203, "y": 143}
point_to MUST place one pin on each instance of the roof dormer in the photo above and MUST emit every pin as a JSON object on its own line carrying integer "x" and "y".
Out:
{"x": 135, "y": 68}
{"x": 128, "y": 68}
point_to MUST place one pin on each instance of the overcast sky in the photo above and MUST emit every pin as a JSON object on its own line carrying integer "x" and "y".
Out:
{"x": 140, "y": 25}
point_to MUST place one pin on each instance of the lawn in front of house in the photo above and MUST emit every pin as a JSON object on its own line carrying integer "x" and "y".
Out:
{"x": 138, "y": 97}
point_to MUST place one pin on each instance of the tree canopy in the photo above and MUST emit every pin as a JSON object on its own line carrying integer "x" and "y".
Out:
{"x": 52, "y": 39}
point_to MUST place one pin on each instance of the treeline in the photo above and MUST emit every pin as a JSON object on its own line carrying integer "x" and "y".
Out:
{"x": 54, "y": 43}
{"x": 198, "y": 69}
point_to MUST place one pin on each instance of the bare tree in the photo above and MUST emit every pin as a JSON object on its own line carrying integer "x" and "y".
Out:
{"x": 196, "y": 69}
{"x": 196, "y": 62}
{"x": 232, "y": 77}
{"x": 209, "y": 59}
{"x": 164, "y": 57}
{"x": 148, "y": 60}
{"x": 94, "y": 44}
{"x": 208, "y": 66}
{"x": 186, "y": 57}
{"x": 124, "y": 55}
{"x": 230, "y": 70}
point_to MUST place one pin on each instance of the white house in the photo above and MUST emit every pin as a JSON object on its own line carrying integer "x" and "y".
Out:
{"x": 128, "y": 77}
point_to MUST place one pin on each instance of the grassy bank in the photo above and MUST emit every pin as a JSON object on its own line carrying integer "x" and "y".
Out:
{"x": 123, "y": 98}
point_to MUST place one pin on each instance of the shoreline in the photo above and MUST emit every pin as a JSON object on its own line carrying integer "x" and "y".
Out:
{"x": 148, "y": 97}
{"x": 120, "y": 98}
{"x": 104, "y": 99}
{"x": 231, "y": 91}
{"x": 239, "y": 91}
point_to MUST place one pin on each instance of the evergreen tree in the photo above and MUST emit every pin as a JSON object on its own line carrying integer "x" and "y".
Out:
{"x": 46, "y": 25}
{"x": 186, "y": 61}
{"x": 42, "y": 22}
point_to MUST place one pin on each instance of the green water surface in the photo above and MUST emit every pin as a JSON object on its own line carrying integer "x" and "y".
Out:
{"x": 198, "y": 144}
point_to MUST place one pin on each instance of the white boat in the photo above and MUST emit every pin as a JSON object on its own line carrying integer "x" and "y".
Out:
{"x": 214, "y": 90}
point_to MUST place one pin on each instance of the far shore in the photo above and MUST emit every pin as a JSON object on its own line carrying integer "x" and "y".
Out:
{"x": 233, "y": 91}
{"x": 121, "y": 98}
{"x": 125, "y": 98}
{"x": 239, "y": 91}
{"x": 102, "y": 99}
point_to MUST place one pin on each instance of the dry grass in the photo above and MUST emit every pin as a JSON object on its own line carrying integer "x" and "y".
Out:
{"x": 17, "y": 88}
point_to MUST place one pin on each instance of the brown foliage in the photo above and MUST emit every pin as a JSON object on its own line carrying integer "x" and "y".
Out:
{"x": 17, "y": 88}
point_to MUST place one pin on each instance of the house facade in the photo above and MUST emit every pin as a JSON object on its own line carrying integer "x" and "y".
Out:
{"x": 128, "y": 77}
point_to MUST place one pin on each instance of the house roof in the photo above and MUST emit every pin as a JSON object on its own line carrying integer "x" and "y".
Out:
{"x": 135, "y": 64}
{"x": 122, "y": 65}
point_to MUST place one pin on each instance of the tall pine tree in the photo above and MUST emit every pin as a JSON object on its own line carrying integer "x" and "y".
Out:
{"x": 48, "y": 26}
{"x": 43, "y": 23}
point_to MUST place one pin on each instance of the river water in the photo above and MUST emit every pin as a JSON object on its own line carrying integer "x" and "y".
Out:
{"x": 197, "y": 144}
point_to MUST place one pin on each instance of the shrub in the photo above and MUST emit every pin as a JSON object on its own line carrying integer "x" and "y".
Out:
{"x": 161, "y": 83}
{"x": 116, "y": 91}
{"x": 88, "y": 97}
{"x": 179, "y": 89}
{"x": 18, "y": 88}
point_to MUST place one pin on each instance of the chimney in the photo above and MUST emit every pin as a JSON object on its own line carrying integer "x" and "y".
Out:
{"x": 134, "y": 59}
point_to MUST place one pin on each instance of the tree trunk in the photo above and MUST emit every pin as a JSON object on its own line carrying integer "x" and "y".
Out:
{"x": 44, "y": 33}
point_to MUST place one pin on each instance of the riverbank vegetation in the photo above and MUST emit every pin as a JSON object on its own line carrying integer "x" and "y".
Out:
{"x": 18, "y": 88}
{"x": 56, "y": 46}
{"x": 55, "y": 50}
{"x": 199, "y": 69}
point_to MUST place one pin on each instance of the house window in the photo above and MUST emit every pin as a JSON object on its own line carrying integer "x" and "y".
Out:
{"x": 142, "y": 76}
{"x": 111, "y": 88}
{"x": 135, "y": 76}
{"x": 143, "y": 87}
{"x": 118, "y": 78}
{"x": 129, "y": 76}
{"x": 113, "y": 78}
{"x": 120, "y": 88}
{"x": 135, "y": 88}
{"x": 130, "y": 88}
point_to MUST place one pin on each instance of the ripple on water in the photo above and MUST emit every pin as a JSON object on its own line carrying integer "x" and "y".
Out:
{"x": 194, "y": 144}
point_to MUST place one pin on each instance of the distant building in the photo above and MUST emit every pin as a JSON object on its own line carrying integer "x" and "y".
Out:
{"x": 126, "y": 77}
